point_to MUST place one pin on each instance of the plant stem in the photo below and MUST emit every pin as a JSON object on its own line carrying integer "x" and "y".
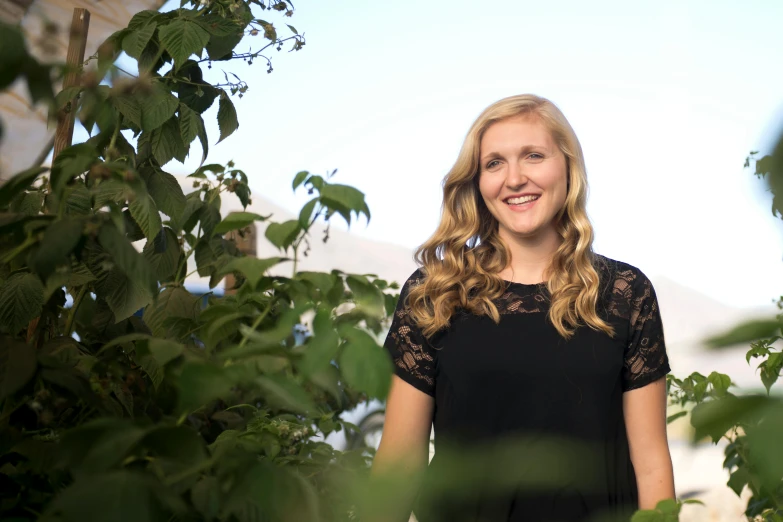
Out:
{"x": 115, "y": 133}
{"x": 28, "y": 242}
{"x": 74, "y": 308}
{"x": 258, "y": 320}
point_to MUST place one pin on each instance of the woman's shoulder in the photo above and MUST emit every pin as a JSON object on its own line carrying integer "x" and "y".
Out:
{"x": 416, "y": 278}
{"x": 623, "y": 276}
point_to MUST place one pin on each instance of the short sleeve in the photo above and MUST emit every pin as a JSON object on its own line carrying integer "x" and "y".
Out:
{"x": 646, "y": 359}
{"x": 413, "y": 357}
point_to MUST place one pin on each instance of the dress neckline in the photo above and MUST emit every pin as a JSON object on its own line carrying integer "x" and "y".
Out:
{"x": 524, "y": 285}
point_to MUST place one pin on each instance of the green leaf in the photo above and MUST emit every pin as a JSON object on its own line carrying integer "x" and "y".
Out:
{"x": 172, "y": 303}
{"x": 154, "y": 354}
{"x": 196, "y": 94}
{"x": 284, "y": 393}
{"x": 110, "y": 190}
{"x": 282, "y": 235}
{"x": 209, "y": 217}
{"x": 738, "y": 479}
{"x": 128, "y": 261}
{"x": 127, "y": 105}
{"x": 17, "y": 365}
{"x": 182, "y": 38}
{"x": 120, "y": 496}
{"x": 176, "y": 446}
{"x": 293, "y": 29}
{"x": 344, "y": 196}
{"x": 222, "y": 47}
{"x": 132, "y": 230}
{"x": 770, "y": 369}
{"x": 135, "y": 42}
{"x": 78, "y": 201}
{"x": 186, "y": 220}
{"x": 745, "y": 332}
{"x": 165, "y": 143}
{"x": 320, "y": 280}
{"x": 322, "y": 348}
{"x": 21, "y": 300}
{"x": 205, "y": 257}
{"x": 300, "y": 178}
{"x": 235, "y": 221}
{"x": 219, "y": 26}
{"x": 307, "y": 213}
{"x": 167, "y": 193}
{"x": 123, "y": 395}
{"x": 141, "y": 19}
{"x": 205, "y": 497}
{"x": 157, "y": 107}
{"x": 242, "y": 192}
{"x": 163, "y": 254}
{"x": 12, "y": 54}
{"x": 39, "y": 80}
{"x": 227, "y": 117}
{"x": 367, "y": 296}
{"x": 164, "y": 351}
{"x": 757, "y": 349}
{"x": 71, "y": 162}
{"x": 251, "y": 268}
{"x": 763, "y": 440}
{"x": 28, "y": 203}
{"x": 720, "y": 382}
{"x": 714, "y": 418}
{"x": 145, "y": 213}
{"x": 188, "y": 123}
{"x": 364, "y": 364}
{"x": 202, "y": 138}
{"x": 201, "y": 383}
{"x": 123, "y": 294}
{"x": 124, "y": 340}
{"x": 59, "y": 240}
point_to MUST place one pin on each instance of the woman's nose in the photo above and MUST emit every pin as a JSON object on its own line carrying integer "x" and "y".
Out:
{"x": 515, "y": 175}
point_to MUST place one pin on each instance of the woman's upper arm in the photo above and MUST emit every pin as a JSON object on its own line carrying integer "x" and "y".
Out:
{"x": 644, "y": 379}
{"x": 410, "y": 404}
{"x": 644, "y": 410}
{"x": 408, "y": 421}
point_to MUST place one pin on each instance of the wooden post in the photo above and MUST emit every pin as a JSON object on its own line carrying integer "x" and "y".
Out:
{"x": 246, "y": 245}
{"x": 64, "y": 134}
{"x": 74, "y": 63}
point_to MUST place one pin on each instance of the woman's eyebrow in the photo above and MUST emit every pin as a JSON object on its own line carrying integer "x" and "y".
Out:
{"x": 522, "y": 149}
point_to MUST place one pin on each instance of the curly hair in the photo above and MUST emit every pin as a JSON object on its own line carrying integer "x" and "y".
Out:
{"x": 462, "y": 259}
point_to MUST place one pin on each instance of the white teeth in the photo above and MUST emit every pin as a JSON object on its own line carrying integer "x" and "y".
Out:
{"x": 524, "y": 199}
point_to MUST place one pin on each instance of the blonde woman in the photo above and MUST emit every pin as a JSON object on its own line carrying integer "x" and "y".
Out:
{"x": 513, "y": 327}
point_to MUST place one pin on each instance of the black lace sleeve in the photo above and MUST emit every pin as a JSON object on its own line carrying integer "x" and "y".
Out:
{"x": 414, "y": 358}
{"x": 645, "y": 355}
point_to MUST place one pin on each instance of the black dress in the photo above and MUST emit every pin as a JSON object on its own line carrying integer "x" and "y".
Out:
{"x": 528, "y": 426}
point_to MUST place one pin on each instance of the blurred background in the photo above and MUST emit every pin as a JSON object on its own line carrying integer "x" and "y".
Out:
{"x": 667, "y": 98}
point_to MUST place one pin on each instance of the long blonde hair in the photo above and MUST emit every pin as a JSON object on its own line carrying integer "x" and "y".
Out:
{"x": 462, "y": 259}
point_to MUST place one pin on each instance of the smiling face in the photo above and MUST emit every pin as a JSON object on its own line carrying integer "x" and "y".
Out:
{"x": 519, "y": 157}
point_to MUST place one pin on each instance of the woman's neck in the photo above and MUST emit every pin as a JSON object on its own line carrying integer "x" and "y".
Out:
{"x": 529, "y": 256}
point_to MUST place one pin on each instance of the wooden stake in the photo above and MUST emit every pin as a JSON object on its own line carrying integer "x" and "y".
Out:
{"x": 74, "y": 63}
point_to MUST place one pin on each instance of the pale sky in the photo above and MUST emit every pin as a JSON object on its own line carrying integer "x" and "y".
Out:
{"x": 667, "y": 99}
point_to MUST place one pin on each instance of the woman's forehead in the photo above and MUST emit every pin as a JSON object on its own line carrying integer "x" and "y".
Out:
{"x": 516, "y": 129}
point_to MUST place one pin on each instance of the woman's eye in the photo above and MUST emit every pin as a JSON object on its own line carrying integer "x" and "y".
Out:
{"x": 536, "y": 154}
{"x": 491, "y": 163}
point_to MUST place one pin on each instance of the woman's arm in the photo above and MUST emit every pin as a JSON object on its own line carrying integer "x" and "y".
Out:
{"x": 644, "y": 410}
{"x": 404, "y": 446}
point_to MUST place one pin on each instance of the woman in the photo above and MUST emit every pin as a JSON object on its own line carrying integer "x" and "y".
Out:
{"x": 521, "y": 343}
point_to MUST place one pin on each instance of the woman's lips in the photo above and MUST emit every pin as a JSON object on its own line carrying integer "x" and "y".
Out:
{"x": 524, "y": 206}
